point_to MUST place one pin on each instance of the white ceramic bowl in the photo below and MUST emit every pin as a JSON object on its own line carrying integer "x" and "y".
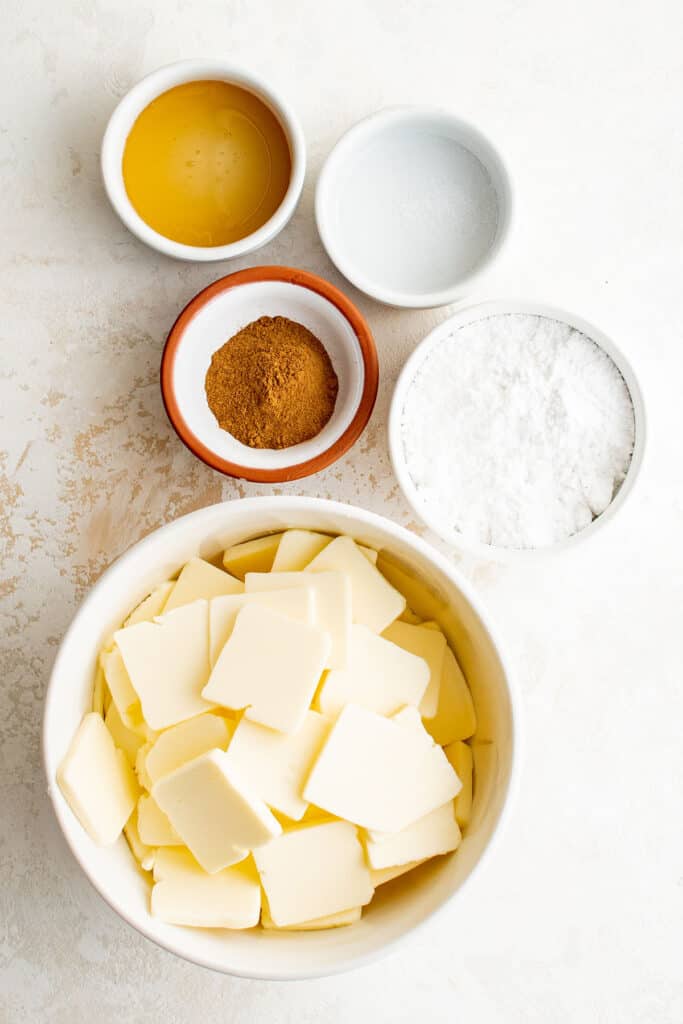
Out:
{"x": 222, "y": 309}
{"x": 469, "y": 315}
{"x": 412, "y": 205}
{"x": 132, "y": 105}
{"x": 398, "y": 908}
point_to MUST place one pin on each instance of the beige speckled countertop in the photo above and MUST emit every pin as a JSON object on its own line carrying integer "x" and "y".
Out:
{"x": 579, "y": 916}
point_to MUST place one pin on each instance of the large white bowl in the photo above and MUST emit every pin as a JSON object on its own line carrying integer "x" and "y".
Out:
{"x": 130, "y": 108}
{"x": 397, "y": 908}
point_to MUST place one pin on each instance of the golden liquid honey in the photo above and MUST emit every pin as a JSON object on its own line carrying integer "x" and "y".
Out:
{"x": 206, "y": 163}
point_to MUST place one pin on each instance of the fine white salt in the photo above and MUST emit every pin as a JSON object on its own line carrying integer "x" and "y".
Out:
{"x": 517, "y": 431}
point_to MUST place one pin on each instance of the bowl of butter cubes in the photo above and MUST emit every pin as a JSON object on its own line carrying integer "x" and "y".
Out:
{"x": 279, "y": 735}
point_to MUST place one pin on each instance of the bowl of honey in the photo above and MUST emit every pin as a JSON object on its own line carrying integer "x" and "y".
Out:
{"x": 203, "y": 161}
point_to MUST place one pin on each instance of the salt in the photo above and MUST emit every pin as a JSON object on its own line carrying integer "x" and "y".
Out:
{"x": 517, "y": 431}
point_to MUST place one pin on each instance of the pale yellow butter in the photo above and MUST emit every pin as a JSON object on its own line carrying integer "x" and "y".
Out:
{"x": 460, "y": 756}
{"x": 201, "y": 580}
{"x": 338, "y": 920}
{"x": 429, "y": 644}
{"x": 374, "y": 602}
{"x": 154, "y": 828}
{"x": 97, "y": 781}
{"x": 313, "y": 871}
{"x": 252, "y": 555}
{"x": 436, "y": 833}
{"x": 271, "y": 666}
{"x": 185, "y": 894}
{"x": 152, "y": 605}
{"x": 185, "y": 741}
{"x": 295, "y": 603}
{"x": 214, "y": 812}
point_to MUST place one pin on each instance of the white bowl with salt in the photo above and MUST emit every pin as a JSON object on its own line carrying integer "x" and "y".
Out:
{"x": 516, "y": 428}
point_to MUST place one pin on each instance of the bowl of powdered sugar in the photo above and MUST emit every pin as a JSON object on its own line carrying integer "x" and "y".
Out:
{"x": 515, "y": 428}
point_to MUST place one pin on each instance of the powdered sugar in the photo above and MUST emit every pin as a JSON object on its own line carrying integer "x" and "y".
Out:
{"x": 517, "y": 431}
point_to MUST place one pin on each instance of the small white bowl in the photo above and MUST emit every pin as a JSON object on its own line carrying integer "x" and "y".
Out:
{"x": 469, "y": 315}
{"x": 132, "y": 105}
{"x": 412, "y": 205}
{"x": 219, "y": 312}
{"x": 397, "y": 909}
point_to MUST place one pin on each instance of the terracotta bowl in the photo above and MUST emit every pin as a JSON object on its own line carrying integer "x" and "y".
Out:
{"x": 215, "y": 315}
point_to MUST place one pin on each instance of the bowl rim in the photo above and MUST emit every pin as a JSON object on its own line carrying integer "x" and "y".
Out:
{"x": 302, "y": 279}
{"x": 365, "y": 129}
{"x": 124, "y": 563}
{"x": 492, "y": 307}
{"x": 160, "y": 81}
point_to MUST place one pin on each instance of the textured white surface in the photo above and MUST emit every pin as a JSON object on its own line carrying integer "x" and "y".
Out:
{"x": 579, "y": 917}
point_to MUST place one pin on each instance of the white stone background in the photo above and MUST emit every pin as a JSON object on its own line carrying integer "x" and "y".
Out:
{"x": 579, "y": 917}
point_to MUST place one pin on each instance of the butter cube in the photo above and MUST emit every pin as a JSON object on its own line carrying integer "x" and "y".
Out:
{"x": 185, "y": 741}
{"x": 252, "y": 556}
{"x": 374, "y": 602}
{"x": 332, "y": 592}
{"x": 154, "y": 828}
{"x": 382, "y": 875}
{"x": 460, "y": 756}
{"x": 143, "y": 854}
{"x": 201, "y": 580}
{"x": 97, "y": 781}
{"x": 435, "y": 833}
{"x": 379, "y": 675}
{"x": 295, "y": 603}
{"x": 270, "y": 666}
{"x": 276, "y": 764}
{"x": 343, "y": 917}
{"x": 168, "y": 663}
{"x": 152, "y": 605}
{"x": 98, "y": 691}
{"x": 124, "y": 738}
{"x": 429, "y": 644}
{"x": 313, "y": 871}
{"x": 185, "y": 894}
{"x": 119, "y": 684}
{"x": 379, "y": 774}
{"x": 213, "y": 811}
{"x": 297, "y": 548}
{"x": 455, "y": 717}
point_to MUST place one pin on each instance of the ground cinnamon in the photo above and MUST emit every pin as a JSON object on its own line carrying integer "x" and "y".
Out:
{"x": 272, "y": 385}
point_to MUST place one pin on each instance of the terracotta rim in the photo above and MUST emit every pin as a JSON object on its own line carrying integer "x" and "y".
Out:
{"x": 304, "y": 279}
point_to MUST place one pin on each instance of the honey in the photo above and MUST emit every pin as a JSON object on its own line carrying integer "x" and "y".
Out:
{"x": 206, "y": 163}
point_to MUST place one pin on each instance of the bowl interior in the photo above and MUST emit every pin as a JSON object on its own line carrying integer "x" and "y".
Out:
{"x": 411, "y": 203}
{"x": 217, "y": 320}
{"x": 399, "y": 906}
{"x": 132, "y": 105}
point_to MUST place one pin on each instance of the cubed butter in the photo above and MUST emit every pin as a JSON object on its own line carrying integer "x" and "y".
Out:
{"x": 378, "y": 675}
{"x": 338, "y": 920}
{"x": 119, "y": 685}
{"x": 455, "y": 717}
{"x": 200, "y": 580}
{"x": 374, "y": 602}
{"x": 168, "y": 663}
{"x": 214, "y": 813}
{"x": 271, "y": 666}
{"x": 297, "y": 548}
{"x": 313, "y": 871}
{"x": 295, "y": 603}
{"x": 124, "y": 738}
{"x": 460, "y": 756}
{"x": 429, "y": 644}
{"x": 185, "y": 741}
{"x": 252, "y": 556}
{"x": 434, "y": 834}
{"x": 98, "y": 691}
{"x": 152, "y": 605}
{"x": 379, "y": 774}
{"x": 143, "y": 853}
{"x": 185, "y": 894}
{"x": 154, "y": 828}
{"x": 97, "y": 781}
{"x": 276, "y": 764}
{"x": 382, "y": 875}
{"x": 332, "y": 592}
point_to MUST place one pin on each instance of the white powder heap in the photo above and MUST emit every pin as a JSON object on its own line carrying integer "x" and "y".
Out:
{"x": 517, "y": 431}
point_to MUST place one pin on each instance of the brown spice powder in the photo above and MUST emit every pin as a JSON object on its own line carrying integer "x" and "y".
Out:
{"x": 272, "y": 385}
